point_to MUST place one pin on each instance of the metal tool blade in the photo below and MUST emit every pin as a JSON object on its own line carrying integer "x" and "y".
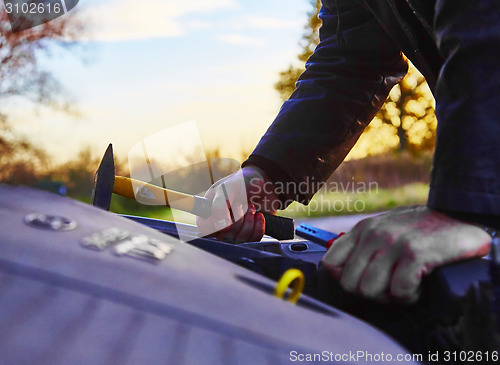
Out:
{"x": 104, "y": 180}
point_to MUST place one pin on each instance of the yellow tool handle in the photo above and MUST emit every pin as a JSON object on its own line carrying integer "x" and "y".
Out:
{"x": 153, "y": 195}
{"x": 277, "y": 227}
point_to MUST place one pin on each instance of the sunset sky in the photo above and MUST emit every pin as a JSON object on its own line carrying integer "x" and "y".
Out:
{"x": 152, "y": 64}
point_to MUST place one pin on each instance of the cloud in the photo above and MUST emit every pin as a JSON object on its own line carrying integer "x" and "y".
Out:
{"x": 197, "y": 24}
{"x": 116, "y": 20}
{"x": 239, "y": 39}
{"x": 269, "y": 23}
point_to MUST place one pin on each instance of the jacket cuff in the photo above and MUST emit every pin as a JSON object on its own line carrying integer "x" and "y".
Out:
{"x": 489, "y": 222}
{"x": 284, "y": 184}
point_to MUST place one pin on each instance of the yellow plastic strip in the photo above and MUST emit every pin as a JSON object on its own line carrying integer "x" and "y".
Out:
{"x": 293, "y": 278}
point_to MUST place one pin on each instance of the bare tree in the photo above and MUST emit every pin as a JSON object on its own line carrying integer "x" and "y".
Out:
{"x": 20, "y": 72}
{"x": 22, "y": 76}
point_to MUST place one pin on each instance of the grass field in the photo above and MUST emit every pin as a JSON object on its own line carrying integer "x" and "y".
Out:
{"x": 375, "y": 200}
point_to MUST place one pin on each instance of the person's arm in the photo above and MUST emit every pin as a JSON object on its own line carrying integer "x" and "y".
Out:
{"x": 386, "y": 257}
{"x": 346, "y": 81}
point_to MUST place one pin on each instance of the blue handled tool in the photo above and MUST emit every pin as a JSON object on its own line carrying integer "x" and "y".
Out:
{"x": 317, "y": 235}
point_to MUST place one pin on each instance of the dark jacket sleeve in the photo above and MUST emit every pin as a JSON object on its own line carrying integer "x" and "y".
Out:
{"x": 466, "y": 173}
{"x": 346, "y": 81}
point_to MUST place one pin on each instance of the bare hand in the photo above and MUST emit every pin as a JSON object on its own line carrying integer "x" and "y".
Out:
{"x": 385, "y": 257}
{"x": 236, "y": 203}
